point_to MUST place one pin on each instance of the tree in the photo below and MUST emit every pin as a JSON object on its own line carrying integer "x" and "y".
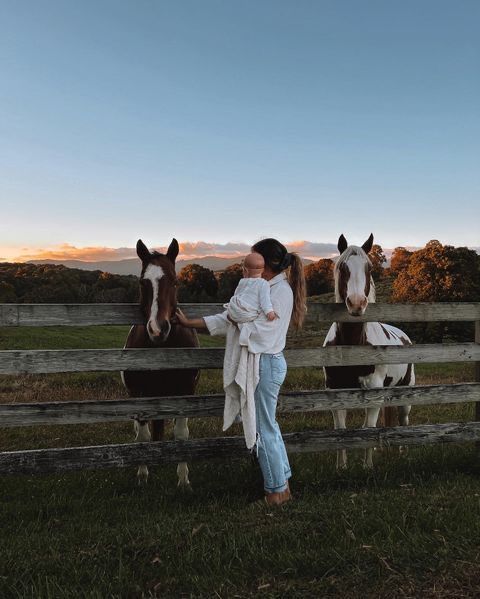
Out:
{"x": 319, "y": 277}
{"x": 34, "y": 283}
{"x": 228, "y": 281}
{"x": 400, "y": 260}
{"x": 378, "y": 259}
{"x": 439, "y": 273}
{"x": 196, "y": 284}
{"x": 7, "y": 293}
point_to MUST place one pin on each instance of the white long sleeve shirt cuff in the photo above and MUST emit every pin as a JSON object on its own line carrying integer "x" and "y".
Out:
{"x": 217, "y": 324}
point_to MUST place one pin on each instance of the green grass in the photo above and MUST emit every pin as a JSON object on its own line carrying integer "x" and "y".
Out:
{"x": 409, "y": 528}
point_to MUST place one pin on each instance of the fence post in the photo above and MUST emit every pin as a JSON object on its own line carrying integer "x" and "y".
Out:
{"x": 477, "y": 379}
{"x": 477, "y": 373}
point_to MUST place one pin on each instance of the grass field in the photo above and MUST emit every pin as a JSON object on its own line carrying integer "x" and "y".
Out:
{"x": 409, "y": 528}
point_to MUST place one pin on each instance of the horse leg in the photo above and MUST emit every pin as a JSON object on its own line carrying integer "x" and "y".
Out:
{"x": 180, "y": 431}
{"x": 143, "y": 435}
{"x": 371, "y": 418}
{"x": 372, "y": 381}
{"x": 339, "y": 422}
{"x": 403, "y": 412}
{"x": 158, "y": 429}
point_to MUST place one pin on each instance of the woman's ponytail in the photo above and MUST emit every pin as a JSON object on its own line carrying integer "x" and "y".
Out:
{"x": 296, "y": 279}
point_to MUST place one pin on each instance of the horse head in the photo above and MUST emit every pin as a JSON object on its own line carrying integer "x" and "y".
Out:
{"x": 158, "y": 297}
{"x": 353, "y": 280}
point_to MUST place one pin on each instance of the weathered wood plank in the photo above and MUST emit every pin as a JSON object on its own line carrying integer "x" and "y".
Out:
{"x": 35, "y": 315}
{"x": 477, "y": 377}
{"x": 133, "y": 454}
{"x": 83, "y": 360}
{"x": 47, "y": 315}
{"x": 203, "y": 406}
{"x": 422, "y": 312}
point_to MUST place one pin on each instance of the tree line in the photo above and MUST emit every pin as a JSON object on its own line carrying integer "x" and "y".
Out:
{"x": 52, "y": 283}
{"x": 435, "y": 273}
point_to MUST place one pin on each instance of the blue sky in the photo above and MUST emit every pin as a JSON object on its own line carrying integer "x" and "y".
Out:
{"x": 229, "y": 121}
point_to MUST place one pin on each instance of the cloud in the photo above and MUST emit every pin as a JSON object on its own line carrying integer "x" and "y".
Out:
{"x": 65, "y": 251}
{"x": 313, "y": 250}
{"x": 199, "y": 249}
{"x": 189, "y": 250}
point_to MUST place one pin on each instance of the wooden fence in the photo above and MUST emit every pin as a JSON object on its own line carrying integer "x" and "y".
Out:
{"x": 80, "y": 412}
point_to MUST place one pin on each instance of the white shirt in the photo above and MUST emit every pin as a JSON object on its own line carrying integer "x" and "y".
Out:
{"x": 269, "y": 336}
{"x": 251, "y": 298}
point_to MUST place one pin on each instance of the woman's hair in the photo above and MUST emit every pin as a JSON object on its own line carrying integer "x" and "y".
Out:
{"x": 277, "y": 258}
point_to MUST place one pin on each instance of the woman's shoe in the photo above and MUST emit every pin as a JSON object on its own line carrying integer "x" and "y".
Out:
{"x": 278, "y": 498}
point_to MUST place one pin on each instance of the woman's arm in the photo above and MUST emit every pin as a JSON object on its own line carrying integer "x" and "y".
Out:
{"x": 190, "y": 323}
{"x": 215, "y": 325}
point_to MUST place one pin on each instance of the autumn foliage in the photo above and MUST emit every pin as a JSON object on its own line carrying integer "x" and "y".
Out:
{"x": 400, "y": 260}
{"x": 378, "y": 259}
{"x": 197, "y": 284}
{"x": 54, "y": 283}
{"x": 319, "y": 277}
{"x": 228, "y": 281}
{"x": 438, "y": 273}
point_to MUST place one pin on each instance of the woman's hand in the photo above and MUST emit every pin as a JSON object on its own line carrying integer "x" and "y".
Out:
{"x": 181, "y": 319}
{"x": 190, "y": 323}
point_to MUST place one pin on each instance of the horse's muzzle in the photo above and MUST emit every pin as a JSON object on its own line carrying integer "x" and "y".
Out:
{"x": 161, "y": 335}
{"x": 356, "y": 305}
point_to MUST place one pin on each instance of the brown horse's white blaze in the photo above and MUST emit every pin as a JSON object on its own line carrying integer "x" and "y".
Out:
{"x": 355, "y": 288}
{"x": 158, "y": 301}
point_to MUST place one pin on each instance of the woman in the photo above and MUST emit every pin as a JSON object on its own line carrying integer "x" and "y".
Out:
{"x": 288, "y": 300}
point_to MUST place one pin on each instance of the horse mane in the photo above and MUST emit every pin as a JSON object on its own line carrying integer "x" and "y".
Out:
{"x": 352, "y": 250}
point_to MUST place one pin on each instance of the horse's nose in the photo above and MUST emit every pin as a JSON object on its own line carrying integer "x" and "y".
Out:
{"x": 357, "y": 304}
{"x": 165, "y": 328}
{"x": 158, "y": 333}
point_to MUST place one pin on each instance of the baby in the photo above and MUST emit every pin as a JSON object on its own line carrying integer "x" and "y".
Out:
{"x": 252, "y": 295}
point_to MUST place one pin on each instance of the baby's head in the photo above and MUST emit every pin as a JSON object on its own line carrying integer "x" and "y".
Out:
{"x": 253, "y": 265}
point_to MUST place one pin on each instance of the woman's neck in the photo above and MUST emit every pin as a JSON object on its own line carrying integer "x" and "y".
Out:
{"x": 268, "y": 273}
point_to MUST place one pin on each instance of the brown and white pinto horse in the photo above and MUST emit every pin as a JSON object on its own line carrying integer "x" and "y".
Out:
{"x": 158, "y": 300}
{"x": 354, "y": 286}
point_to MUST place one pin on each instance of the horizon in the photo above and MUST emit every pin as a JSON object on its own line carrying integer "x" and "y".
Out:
{"x": 189, "y": 251}
{"x": 226, "y": 121}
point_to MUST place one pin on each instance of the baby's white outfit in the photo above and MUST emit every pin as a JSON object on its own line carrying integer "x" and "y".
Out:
{"x": 250, "y": 302}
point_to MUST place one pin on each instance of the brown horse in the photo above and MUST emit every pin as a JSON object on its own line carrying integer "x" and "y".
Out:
{"x": 158, "y": 301}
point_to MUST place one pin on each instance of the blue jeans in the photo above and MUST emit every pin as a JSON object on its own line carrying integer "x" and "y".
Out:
{"x": 271, "y": 452}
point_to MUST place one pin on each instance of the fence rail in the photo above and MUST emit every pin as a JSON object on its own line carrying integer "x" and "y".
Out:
{"x": 204, "y": 406}
{"x": 133, "y": 454}
{"x": 76, "y": 412}
{"x": 44, "y": 315}
{"x": 84, "y": 360}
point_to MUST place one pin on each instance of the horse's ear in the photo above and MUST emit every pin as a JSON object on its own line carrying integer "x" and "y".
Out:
{"x": 142, "y": 251}
{"x": 173, "y": 250}
{"x": 367, "y": 246}
{"x": 342, "y": 244}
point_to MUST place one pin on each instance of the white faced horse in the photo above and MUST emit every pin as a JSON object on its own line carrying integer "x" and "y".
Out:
{"x": 355, "y": 288}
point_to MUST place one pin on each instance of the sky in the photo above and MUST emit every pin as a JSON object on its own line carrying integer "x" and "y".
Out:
{"x": 226, "y": 121}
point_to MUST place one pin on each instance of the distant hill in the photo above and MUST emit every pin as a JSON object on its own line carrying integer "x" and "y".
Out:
{"x": 132, "y": 266}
